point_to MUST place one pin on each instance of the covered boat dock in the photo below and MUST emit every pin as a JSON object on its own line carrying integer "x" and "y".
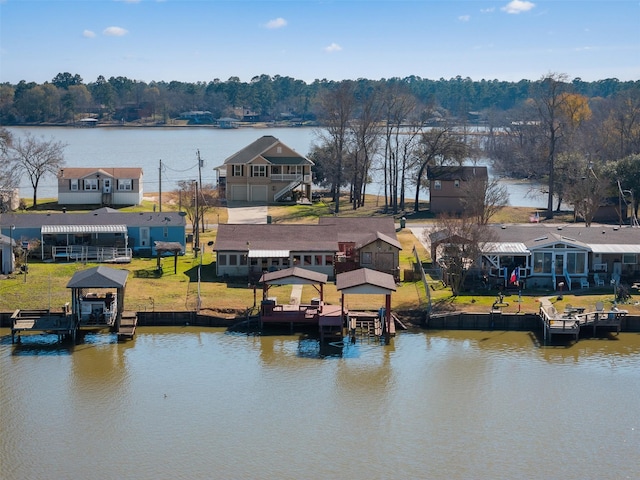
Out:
{"x": 368, "y": 282}
{"x": 291, "y": 314}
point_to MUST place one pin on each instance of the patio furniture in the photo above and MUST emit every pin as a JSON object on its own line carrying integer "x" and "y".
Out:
{"x": 598, "y": 281}
{"x": 584, "y": 283}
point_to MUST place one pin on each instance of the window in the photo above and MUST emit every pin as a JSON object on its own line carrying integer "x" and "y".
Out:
{"x": 165, "y": 232}
{"x": 73, "y": 185}
{"x": 307, "y": 259}
{"x": 456, "y": 183}
{"x": 318, "y": 260}
{"x": 575, "y": 262}
{"x": 542, "y": 262}
{"x": 296, "y": 259}
{"x": 237, "y": 170}
{"x": 233, "y": 259}
{"x": 437, "y": 184}
{"x": 91, "y": 184}
{"x": 328, "y": 259}
{"x": 629, "y": 259}
{"x": 222, "y": 259}
{"x": 258, "y": 170}
{"x": 279, "y": 149}
{"x": 366, "y": 258}
{"x": 125, "y": 184}
{"x": 243, "y": 259}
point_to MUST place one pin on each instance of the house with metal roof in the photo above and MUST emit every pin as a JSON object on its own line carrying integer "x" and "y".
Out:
{"x": 265, "y": 171}
{"x": 544, "y": 256}
{"x": 104, "y": 234}
{"x": 100, "y": 186}
{"x": 333, "y": 245}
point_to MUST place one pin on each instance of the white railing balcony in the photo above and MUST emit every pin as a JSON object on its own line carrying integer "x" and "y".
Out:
{"x": 286, "y": 177}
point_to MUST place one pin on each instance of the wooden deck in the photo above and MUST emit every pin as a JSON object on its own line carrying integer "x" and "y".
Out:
{"x": 576, "y": 320}
{"x": 38, "y": 321}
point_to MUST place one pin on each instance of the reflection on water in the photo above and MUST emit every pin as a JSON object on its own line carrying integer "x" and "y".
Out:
{"x": 201, "y": 403}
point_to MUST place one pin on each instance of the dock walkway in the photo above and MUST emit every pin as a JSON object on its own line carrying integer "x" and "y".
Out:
{"x": 571, "y": 322}
{"x": 128, "y": 324}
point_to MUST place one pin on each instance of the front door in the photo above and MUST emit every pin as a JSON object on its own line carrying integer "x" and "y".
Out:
{"x": 559, "y": 263}
{"x": 144, "y": 236}
{"x": 106, "y": 185}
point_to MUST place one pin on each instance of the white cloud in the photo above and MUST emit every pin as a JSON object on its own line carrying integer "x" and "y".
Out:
{"x": 88, "y": 34}
{"x": 518, "y": 6}
{"x": 114, "y": 32}
{"x": 276, "y": 23}
{"x": 487, "y": 10}
{"x": 464, "y": 18}
{"x": 334, "y": 47}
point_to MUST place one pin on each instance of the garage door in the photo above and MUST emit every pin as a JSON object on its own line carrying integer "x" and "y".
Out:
{"x": 259, "y": 193}
{"x": 238, "y": 193}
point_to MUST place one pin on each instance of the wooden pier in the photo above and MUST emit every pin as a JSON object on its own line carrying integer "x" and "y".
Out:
{"x": 43, "y": 321}
{"x": 574, "y": 320}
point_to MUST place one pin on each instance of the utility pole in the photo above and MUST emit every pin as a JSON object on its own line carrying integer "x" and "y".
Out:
{"x": 160, "y": 185}
{"x": 200, "y": 162}
{"x": 196, "y": 223}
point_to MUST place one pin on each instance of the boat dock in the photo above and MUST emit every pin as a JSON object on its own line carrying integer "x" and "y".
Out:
{"x": 38, "y": 321}
{"x": 573, "y": 320}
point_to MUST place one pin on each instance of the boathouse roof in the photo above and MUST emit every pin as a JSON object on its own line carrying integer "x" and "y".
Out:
{"x": 293, "y": 276}
{"x": 99, "y": 277}
{"x": 365, "y": 280}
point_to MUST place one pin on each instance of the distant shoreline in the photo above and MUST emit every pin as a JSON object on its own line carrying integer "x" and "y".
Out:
{"x": 163, "y": 125}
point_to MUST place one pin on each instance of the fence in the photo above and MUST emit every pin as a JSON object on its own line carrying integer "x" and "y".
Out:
{"x": 436, "y": 272}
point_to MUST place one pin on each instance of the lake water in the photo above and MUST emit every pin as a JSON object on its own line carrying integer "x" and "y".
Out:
{"x": 177, "y": 148}
{"x": 201, "y": 403}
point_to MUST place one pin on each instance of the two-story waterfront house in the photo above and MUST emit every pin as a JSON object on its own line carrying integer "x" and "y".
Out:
{"x": 100, "y": 186}
{"x": 447, "y": 186}
{"x": 265, "y": 171}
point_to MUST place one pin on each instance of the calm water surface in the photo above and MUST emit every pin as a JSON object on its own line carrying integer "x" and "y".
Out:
{"x": 177, "y": 147}
{"x": 200, "y": 403}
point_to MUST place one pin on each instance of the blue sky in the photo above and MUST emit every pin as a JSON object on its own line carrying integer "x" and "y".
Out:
{"x": 200, "y": 40}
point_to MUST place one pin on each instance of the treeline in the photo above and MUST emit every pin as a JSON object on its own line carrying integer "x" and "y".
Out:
{"x": 585, "y": 149}
{"x": 67, "y": 97}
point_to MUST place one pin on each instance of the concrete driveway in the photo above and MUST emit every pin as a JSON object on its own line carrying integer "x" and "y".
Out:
{"x": 253, "y": 214}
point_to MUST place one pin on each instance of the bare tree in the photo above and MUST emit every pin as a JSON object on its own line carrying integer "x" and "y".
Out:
{"x": 398, "y": 104}
{"x": 364, "y": 135}
{"x": 550, "y": 100}
{"x": 337, "y": 107}
{"x": 438, "y": 146}
{"x": 483, "y": 198}
{"x": 8, "y": 175}
{"x": 588, "y": 191}
{"x": 463, "y": 242}
{"x": 37, "y": 158}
